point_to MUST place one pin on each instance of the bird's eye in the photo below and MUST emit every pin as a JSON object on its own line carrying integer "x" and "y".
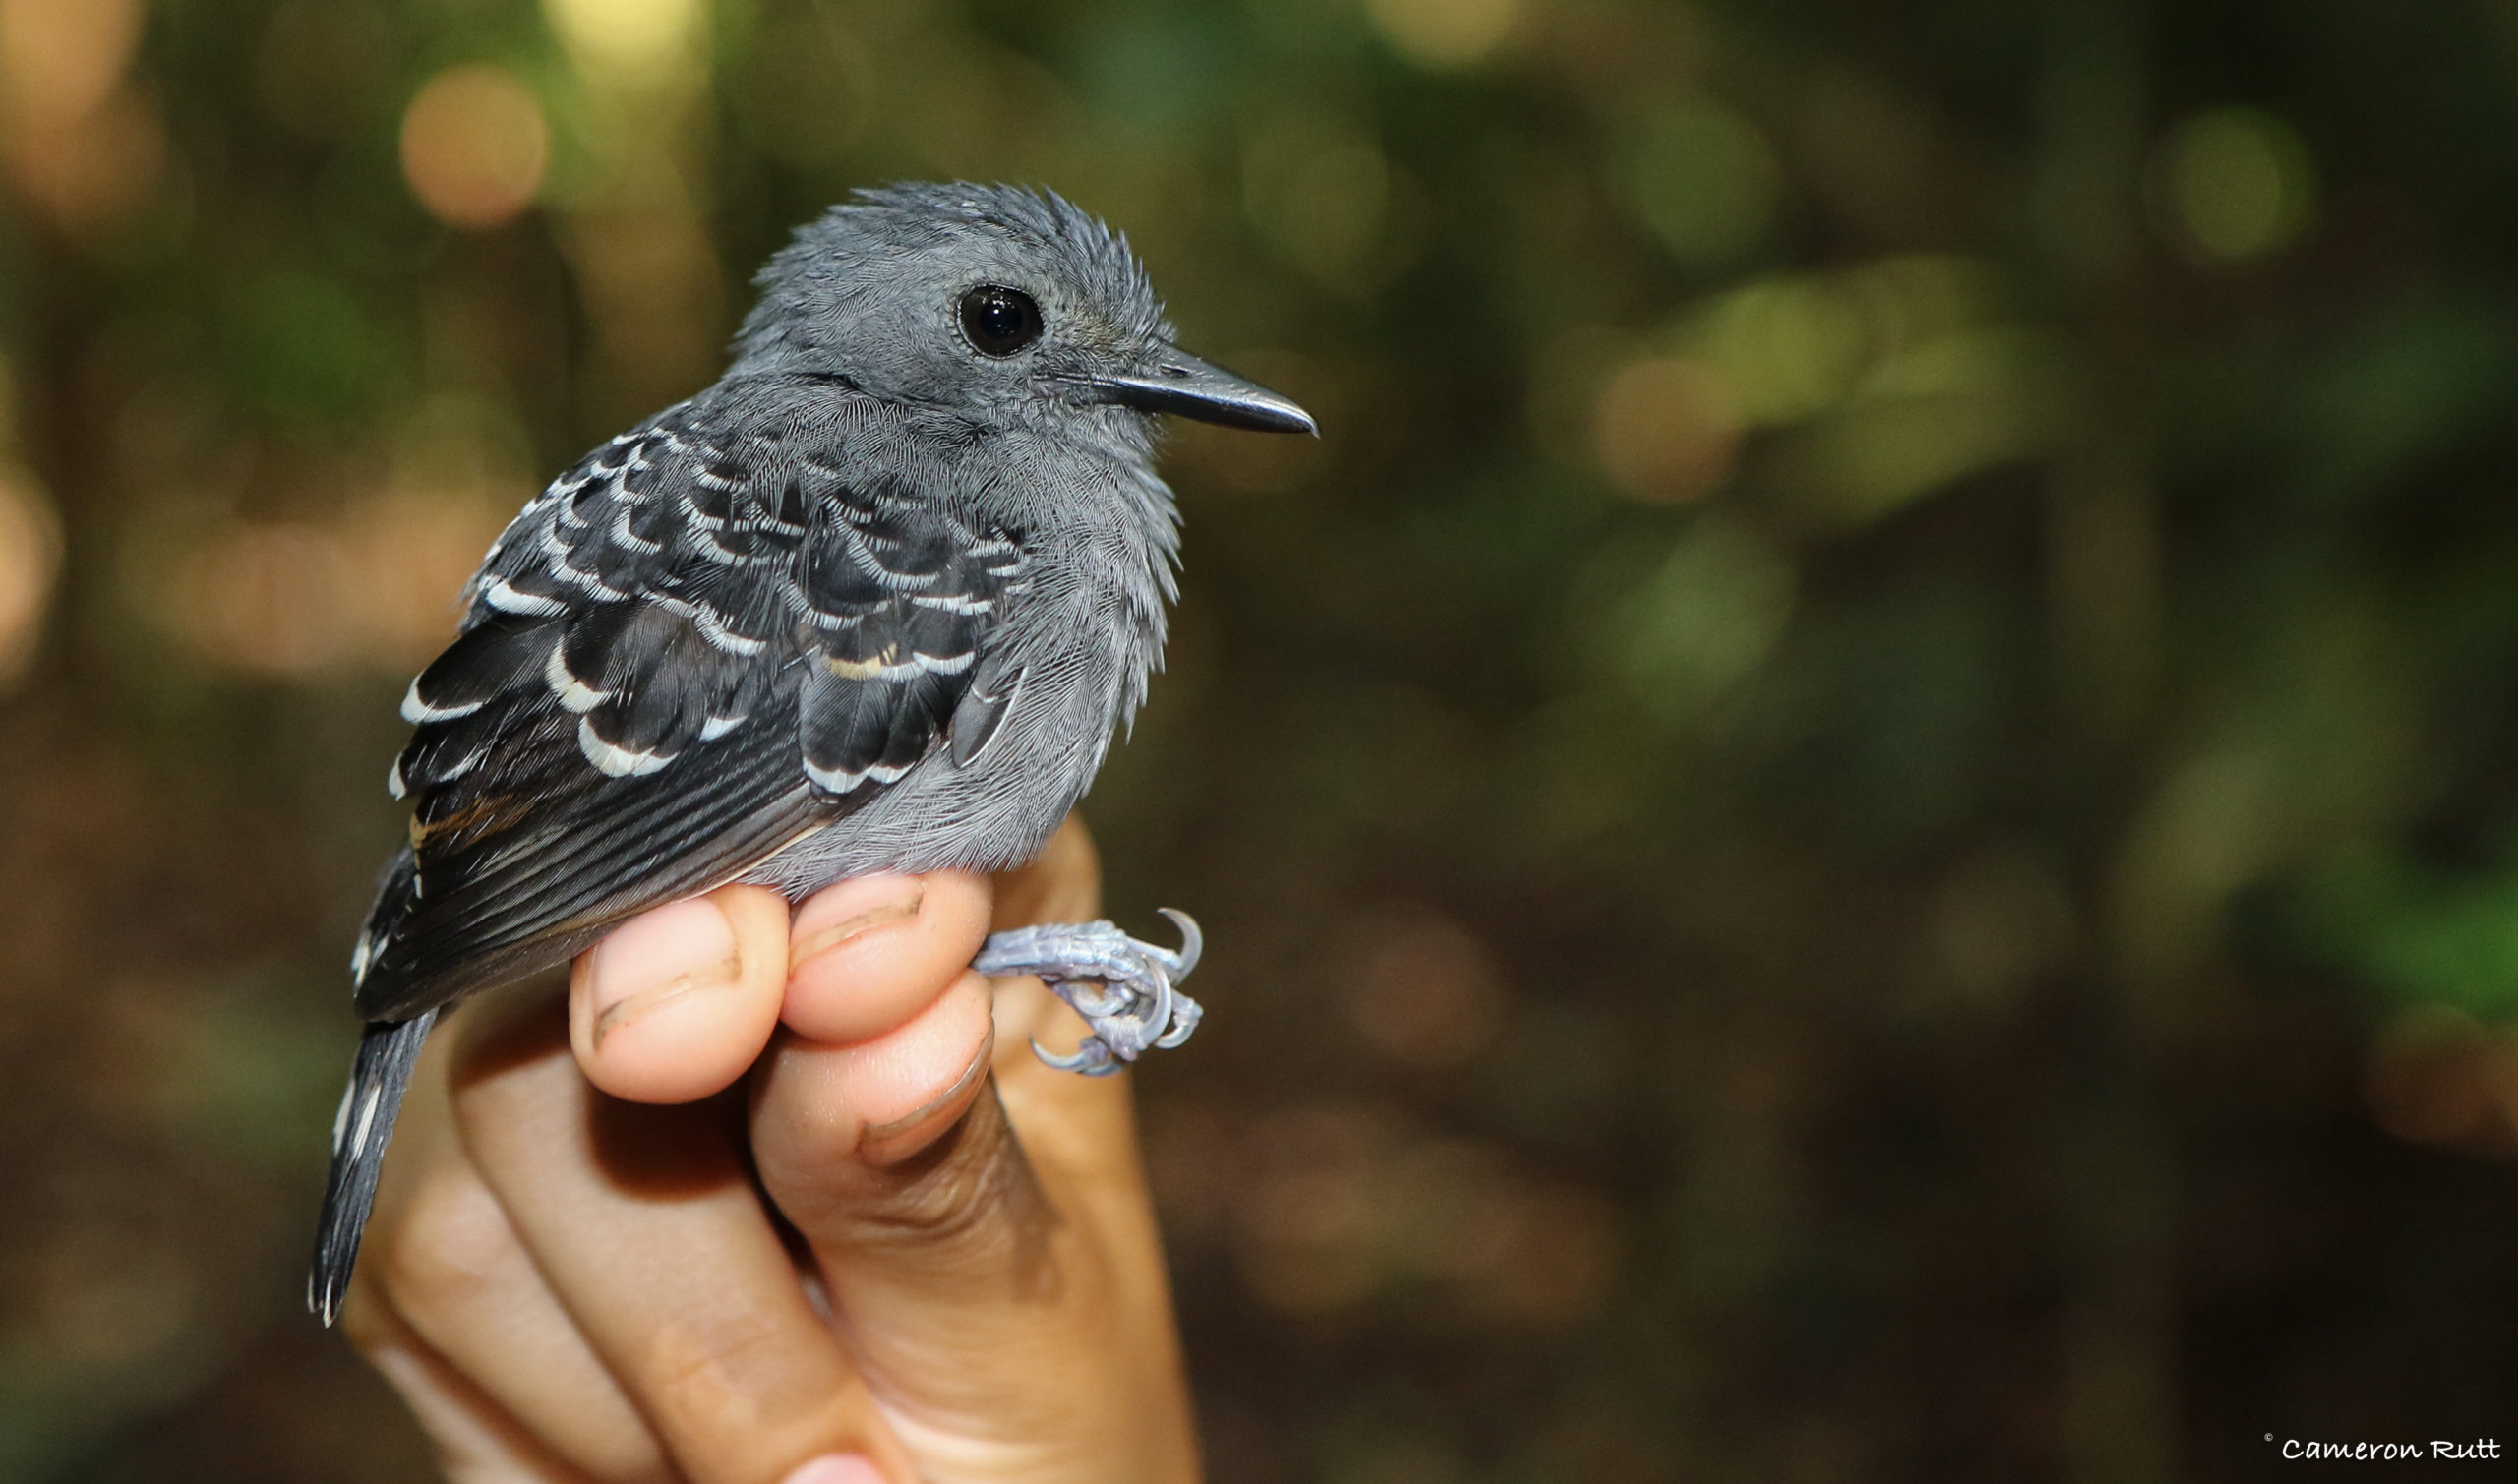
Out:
{"x": 999, "y": 321}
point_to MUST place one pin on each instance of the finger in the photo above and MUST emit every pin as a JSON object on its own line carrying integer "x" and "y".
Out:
{"x": 897, "y": 1088}
{"x": 883, "y": 996}
{"x": 888, "y": 1098}
{"x": 675, "y": 1003}
{"x": 867, "y": 955}
{"x": 646, "y": 1227}
{"x": 451, "y": 1307}
{"x": 477, "y": 1443}
{"x": 1011, "y": 1312}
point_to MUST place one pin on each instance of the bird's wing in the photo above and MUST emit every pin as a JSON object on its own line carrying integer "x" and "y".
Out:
{"x": 699, "y": 645}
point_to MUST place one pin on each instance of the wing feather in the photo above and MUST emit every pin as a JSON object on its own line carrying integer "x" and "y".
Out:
{"x": 691, "y": 650}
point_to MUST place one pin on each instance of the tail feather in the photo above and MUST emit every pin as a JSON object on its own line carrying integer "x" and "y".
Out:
{"x": 360, "y": 1132}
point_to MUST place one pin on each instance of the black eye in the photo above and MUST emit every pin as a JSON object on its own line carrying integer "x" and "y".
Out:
{"x": 999, "y": 321}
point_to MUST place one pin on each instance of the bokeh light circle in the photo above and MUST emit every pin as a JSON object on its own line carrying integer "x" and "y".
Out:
{"x": 474, "y": 146}
{"x": 2232, "y": 185}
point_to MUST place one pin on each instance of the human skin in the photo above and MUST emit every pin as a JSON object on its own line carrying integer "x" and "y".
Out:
{"x": 574, "y": 1272}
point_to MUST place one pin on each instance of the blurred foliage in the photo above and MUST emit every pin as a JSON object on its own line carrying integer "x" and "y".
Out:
{"x": 1856, "y": 819}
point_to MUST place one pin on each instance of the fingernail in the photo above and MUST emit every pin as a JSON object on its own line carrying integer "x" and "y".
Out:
{"x": 899, "y": 909}
{"x": 837, "y": 1469}
{"x": 662, "y": 956}
{"x": 884, "y": 1143}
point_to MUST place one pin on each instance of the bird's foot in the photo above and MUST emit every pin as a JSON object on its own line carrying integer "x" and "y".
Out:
{"x": 1124, "y": 988}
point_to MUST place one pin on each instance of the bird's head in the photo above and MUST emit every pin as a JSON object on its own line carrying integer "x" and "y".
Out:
{"x": 1005, "y": 303}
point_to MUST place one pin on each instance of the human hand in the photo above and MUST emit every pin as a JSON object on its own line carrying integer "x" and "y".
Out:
{"x": 572, "y": 1273}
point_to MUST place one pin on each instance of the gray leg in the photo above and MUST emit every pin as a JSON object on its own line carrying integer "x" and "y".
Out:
{"x": 1136, "y": 1005}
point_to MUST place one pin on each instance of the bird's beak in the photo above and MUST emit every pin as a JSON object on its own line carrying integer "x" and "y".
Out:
{"x": 1180, "y": 382}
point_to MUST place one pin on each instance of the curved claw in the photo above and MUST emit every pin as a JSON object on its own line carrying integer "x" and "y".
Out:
{"x": 1091, "y": 1059}
{"x": 1193, "y": 942}
{"x": 1181, "y": 1027}
{"x": 1089, "y": 1004}
{"x": 1160, "y": 1017}
{"x": 1122, "y": 987}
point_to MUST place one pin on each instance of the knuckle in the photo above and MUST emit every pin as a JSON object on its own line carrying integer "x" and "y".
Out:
{"x": 735, "y": 1383}
{"x": 703, "y": 1358}
{"x": 449, "y": 1251}
{"x": 969, "y": 1196}
{"x": 364, "y": 1321}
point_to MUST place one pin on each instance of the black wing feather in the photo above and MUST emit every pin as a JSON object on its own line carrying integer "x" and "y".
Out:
{"x": 693, "y": 649}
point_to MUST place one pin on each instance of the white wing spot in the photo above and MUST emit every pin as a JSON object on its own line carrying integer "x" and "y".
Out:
{"x": 507, "y": 600}
{"x": 713, "y": 628}
{"x": 833, "y": 780}
{"x": 563, "y": 495}
{"x": 842, "y": 780}
{"x": 576, "y": 577}
{"x": 419, "y": 712}
{"x": 616, "y": 762}
{"x": 623, "y": 537}
{"x": 574, "y": 695}
{"x": 715, "y": 549}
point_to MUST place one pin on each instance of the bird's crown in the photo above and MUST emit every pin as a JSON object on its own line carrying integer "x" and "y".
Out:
{"x": 864, "y": 288}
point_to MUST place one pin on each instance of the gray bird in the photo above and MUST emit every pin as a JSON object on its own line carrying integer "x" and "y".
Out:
{"x": 873, "y": 602}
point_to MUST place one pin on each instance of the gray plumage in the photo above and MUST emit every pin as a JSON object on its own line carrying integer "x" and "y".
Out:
{"x": 873, "y": 602}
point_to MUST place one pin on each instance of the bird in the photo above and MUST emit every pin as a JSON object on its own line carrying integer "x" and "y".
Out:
{"x": 876, "y": 601}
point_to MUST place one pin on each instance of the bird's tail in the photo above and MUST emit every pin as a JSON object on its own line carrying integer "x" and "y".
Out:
{"x": 360, "y": 1132}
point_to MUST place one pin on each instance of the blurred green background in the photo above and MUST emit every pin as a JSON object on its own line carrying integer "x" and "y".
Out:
{"x": 1860, "y": 819}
